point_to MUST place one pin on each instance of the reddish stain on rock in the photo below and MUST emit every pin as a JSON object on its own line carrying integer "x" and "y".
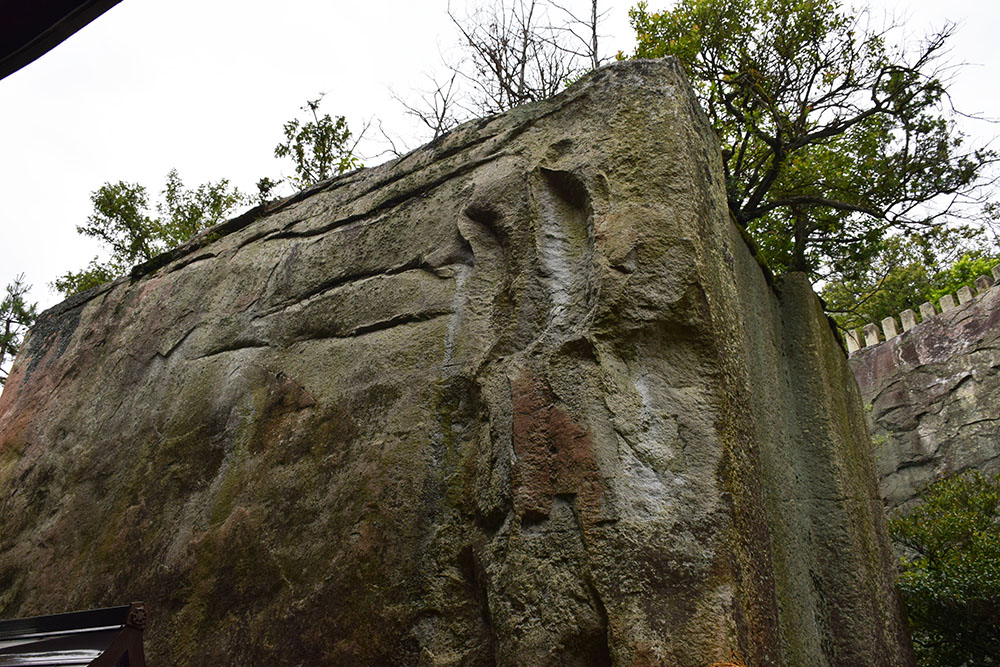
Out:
{"x": 555, "y": 454}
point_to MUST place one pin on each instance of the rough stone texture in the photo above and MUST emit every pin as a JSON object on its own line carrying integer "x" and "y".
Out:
{"x": 522, "y": 397}
{"x": 931, "y": 396}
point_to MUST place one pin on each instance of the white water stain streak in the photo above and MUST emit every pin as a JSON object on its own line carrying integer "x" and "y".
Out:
{"x": 563, "y": 255}
{"x": 651, "y": 486}
{"x": 457, "y": 311}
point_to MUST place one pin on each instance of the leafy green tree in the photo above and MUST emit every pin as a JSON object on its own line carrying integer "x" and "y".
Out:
{"x": 831, "y": 139}
{"x": 123, "y": 222}
{"x": 950, "y": 580}
{"x": 969, "y": 266}
{"x": 265, "y": 190}
{"x": 15, "y": 318}
{"x": 74, "y": 282}
{"x": 320, "y": 147}
{"x": 185, "y": 212}
{"x": 904, "y": 274}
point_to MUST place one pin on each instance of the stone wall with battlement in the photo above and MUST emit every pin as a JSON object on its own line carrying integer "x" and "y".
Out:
{"x": 930, "y": 389}
{"x": 873, "y": 334}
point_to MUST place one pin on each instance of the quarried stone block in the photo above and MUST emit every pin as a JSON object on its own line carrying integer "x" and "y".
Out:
{"x": 927, "y": 311}
{"x": 889, "y": 327}
{"x": 854, "y": 339}
{"x": 908, "y": 319}
{"x": 871, "y": 335}
{"x": 520, "y": 397}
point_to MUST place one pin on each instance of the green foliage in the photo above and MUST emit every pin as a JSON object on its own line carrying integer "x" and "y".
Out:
{"x": 951, "y": 581}
{"x": 963, "y": 272}
{"x": 74, "y": 282}
{"x": 183, "y": 213}
{"x": 904, "y": 274}
{"x": 265, "y": 188}
{"x": 831, "y": 139}
{"x": 15, "y": 317}
{"x": 120, "y": 223}
{"x": 123, "y": 223}
{"x": 320, "y": 147}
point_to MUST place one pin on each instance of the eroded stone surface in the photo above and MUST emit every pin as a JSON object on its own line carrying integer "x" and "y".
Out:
{"x": 931, "y": 396}
{"x": 521, "y": 397}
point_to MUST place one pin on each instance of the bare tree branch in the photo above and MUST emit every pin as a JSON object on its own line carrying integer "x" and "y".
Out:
{"x": 515, "y": 54}
{"x": 436, "y": 108}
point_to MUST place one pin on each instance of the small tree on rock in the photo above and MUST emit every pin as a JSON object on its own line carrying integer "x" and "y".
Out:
{"x": 15, "y": 318}
{"x": 320, "y": 147}
{"x": 123, "y": 222}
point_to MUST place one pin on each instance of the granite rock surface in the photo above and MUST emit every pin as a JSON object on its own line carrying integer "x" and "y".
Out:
{"x": 521, "y": 397}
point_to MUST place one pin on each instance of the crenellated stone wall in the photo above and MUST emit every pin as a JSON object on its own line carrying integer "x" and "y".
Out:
{"x": 521, "y": 397}
{"x": 931, "y": 390}
{"x": 872, "y": 334}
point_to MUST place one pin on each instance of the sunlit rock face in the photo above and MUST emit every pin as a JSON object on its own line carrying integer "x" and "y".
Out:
{"x": 931, "y": 398}
{"x": 521, "y": 397}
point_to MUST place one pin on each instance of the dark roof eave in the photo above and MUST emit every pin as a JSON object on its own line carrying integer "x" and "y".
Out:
{"x": 31, "y": 28}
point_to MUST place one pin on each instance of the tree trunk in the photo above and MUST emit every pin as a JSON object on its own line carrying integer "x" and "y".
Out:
{"x": 595, "y": 60}
{"x": 800, "y": 223}
{"x": 3, "y": 346}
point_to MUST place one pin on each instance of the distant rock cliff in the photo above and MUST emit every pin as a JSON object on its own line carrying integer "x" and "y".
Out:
{"x": 933, "y": 396}
{"x": 521, "y": 397}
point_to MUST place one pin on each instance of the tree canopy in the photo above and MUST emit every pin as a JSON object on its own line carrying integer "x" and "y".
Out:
{"x": 832, "y": 139}
{"x": 903, "y": 275}
{"x": 123, "y": 222}
{"x": 950, "y": 581}
{"x": 319, "y": 147}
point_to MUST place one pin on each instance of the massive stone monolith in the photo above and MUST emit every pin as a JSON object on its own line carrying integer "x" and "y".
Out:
{"x": 931, "y": 395}
{"x": 521, "y": 397}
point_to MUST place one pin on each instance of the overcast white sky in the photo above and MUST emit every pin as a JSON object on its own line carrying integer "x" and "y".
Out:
{"x": 204, "y": 86}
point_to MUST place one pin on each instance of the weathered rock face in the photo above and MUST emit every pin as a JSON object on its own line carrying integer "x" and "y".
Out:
{"x": 931, "y": 395}
{"x": 521, "y": 397}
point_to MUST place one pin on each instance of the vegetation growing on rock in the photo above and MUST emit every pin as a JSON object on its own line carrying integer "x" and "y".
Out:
{"x": 132, "y": 234}
{"x": 16, "y": 316}
{"x": 319, "y": 147}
